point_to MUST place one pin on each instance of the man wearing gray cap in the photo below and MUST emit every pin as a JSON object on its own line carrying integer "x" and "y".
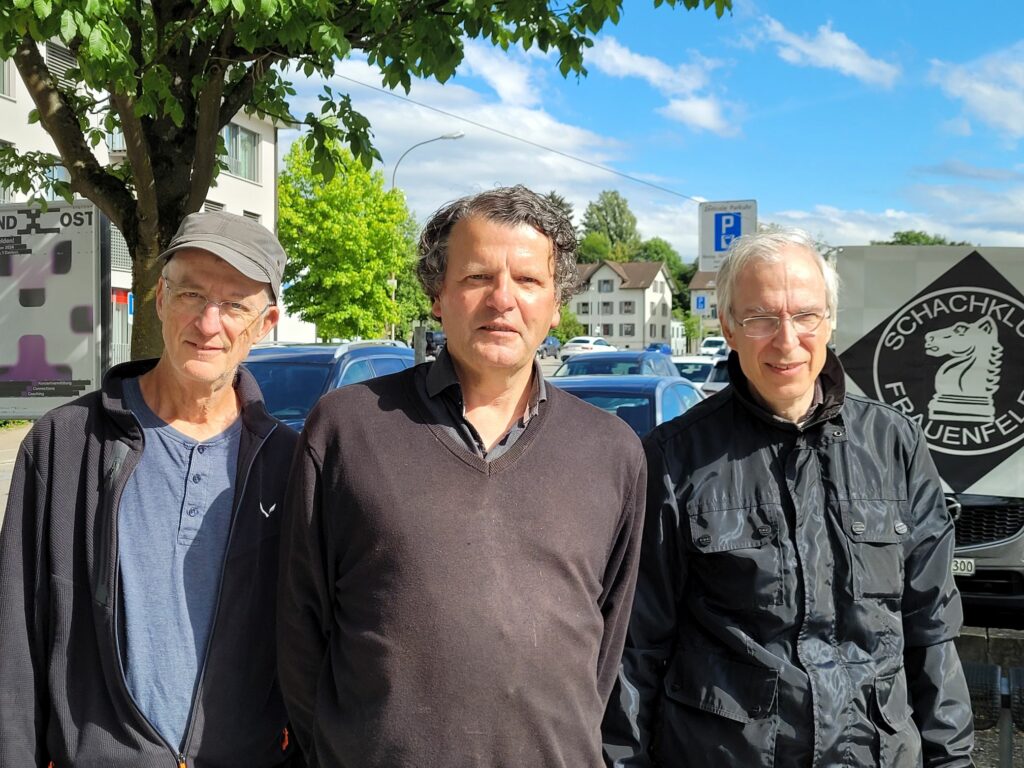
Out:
{"x": 138, "y": 557}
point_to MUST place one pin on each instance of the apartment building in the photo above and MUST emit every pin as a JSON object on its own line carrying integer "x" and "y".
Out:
{"x": 248, "y": 187}
{"x": 704, "y": 302}
{"x": 629, "y": 303}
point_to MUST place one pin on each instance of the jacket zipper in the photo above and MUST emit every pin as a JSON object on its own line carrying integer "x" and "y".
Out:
{"x": 220, "y": 591}
{"x": 127, "y": 467}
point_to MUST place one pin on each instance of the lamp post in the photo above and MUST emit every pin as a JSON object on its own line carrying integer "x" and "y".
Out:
{"x": 392, "y": 281}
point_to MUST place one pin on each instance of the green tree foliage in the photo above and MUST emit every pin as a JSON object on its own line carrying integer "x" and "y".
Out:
{"x": 413, "y": 304}
{"x": 560, "y": 203}
{"x": 594, "y": 247}
{"x": 568, "y": 326}
{"x": 917, "y": 237}
{"x": 345, "y": 237}
{"x": 610, "y": 216}
{"x": 170, "y": 74}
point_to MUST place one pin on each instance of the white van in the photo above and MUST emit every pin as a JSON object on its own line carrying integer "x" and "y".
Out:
{"x": 714, "y": 345}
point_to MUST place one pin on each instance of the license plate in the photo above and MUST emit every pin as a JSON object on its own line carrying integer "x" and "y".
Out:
{"x": 963, "y": 566}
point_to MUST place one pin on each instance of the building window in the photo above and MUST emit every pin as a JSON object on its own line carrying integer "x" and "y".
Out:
{"x": 59, "y": 60}
{"x": 607, "y": 308}
{"x": 605, "y": 286}
{"x": 5, "y": 193}
{"x": 627, "y": 307}
{"x": 583, "y": 308}
{"x": 664, "y": 310}
{"x": 653, "y": 330}
{"x": 7, "y": 78}
{"x": 627, "y": 329}
{"x": 243, "y": 151}
{"x": 607, "y": 329}
{"x": 654, "y": 308}
{"x": 212, "y": 207}
{"x": 250, "y": 215}
{"x": 714, "y": 313}
{"x": 663, "y": 332}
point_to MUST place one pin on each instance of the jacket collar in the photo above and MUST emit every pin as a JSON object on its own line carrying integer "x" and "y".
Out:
{"x": 831, "y": 380}
{"x": 254, "y": 413}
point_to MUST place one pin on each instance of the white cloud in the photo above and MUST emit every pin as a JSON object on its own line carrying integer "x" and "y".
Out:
{"x": 829, "y": 50}
{"x": 509, "y": 76}
{"x": 614, "y": 59}
{"x": 958, "y": 126}
{"x": 991, "y": 88}
{"x": 685, "y": 84}
{"x": 700, "y": 113}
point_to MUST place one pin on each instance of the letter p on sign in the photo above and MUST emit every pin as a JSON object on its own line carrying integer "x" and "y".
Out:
{"x": 728, "y": 226}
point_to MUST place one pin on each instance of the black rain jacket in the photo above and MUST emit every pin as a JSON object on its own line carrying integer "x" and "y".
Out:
{"x": 795, "y": 602}
{"x": 63, "y": 696}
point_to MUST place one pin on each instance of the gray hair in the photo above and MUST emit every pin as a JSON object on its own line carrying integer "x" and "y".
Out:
{"x": 511, "y": 206}
{"x": 767, "y": 246}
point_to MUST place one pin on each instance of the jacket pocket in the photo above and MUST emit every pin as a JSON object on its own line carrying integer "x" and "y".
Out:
{"x": 719, "y": 711}
{"x": 735, "y": 555}
{"x": 899, "y": 743}
{"x": 875, "y": 531}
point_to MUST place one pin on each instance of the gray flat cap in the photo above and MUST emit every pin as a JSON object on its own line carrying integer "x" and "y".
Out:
{"x": 243, "y": 243}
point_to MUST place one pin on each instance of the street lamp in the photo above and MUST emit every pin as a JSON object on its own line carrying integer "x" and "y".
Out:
{"x": 392, "y": 281}
{"x": 443, "y": 137}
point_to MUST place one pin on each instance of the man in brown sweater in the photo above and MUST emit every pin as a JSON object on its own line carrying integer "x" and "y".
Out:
{"x": 462, "y": 539}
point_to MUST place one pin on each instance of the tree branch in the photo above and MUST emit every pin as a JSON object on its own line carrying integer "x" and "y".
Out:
{"x": 142, "y": 167}
{"x": 241, "y": 92}
{"x": 208, "y": 125}
{"x": 88, "y": 177}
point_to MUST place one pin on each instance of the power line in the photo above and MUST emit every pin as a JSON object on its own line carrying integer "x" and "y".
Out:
{"x": 508, "y": 135}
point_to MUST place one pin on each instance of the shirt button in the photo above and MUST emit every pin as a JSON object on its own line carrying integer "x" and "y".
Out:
{"x": 764, "y": 530}
{"x": 837, "y": 433}
{"x": 858, "y": 527}
{"x": 192, "y": 512}
{"x": 196, "y": 478}
{"x": 202, "y": 449}
{"x": 704, "y": 540}
{"x": 901, "y": 528}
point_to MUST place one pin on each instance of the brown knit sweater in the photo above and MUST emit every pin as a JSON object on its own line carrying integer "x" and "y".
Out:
{"x": 439, "y": 610}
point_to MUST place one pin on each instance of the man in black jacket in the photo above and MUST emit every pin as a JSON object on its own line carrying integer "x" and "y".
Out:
{"x": 138, "y": 557}
{"x": 795, "y": 604}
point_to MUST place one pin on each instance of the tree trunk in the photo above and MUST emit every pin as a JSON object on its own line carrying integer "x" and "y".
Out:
{"x": 147, "y": 340}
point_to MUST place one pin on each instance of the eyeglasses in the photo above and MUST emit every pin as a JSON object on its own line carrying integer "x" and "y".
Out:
{"x": 237, "y": 314}
{"x": 761, "y": 327}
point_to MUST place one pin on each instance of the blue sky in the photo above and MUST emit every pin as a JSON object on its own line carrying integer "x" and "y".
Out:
{"x": 850, "y": 119}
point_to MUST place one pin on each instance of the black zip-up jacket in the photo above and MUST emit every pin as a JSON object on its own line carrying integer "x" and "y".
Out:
{"x": 63, "y": 697}
{"x": 795, "y": 603}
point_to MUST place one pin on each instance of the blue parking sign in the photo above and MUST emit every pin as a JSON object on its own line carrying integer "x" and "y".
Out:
{"x": 728, "y": 226}
{"x": 700, "y": 302}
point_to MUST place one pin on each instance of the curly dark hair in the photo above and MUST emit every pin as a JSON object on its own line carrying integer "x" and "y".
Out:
{"x": 505, "y": 205}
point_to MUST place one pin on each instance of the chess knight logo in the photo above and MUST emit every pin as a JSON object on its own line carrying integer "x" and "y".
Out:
{"x": 952, "y": 359}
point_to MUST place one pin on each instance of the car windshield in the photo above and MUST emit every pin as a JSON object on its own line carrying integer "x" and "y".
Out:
{"x": 697, "y": 372}
{"x": 290, "y": 389}
{"x": 635, "y": 410}
{"x": 585, "y": 366}
{"x": 579, "y": 340}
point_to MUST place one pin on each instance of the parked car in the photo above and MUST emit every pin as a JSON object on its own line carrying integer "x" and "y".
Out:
{"x": 550, "y": 347}
{"x": 643, "y": 402}
{"x": 714, "y": 345}
{"x": 696, "y": 368}
{"x": 659, "y": 346}
{"x": 718, "y": 379}
{"x": 581, "y": 344}
{"x": 294, "y": 376}
{"x": 619, "y": 364}
{"x": 435, "y": 342}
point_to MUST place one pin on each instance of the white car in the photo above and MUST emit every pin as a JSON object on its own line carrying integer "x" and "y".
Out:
{"x": 696, "y": 368}
{"x": 714, "y": 345}
{"x": 581, "y": 344}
